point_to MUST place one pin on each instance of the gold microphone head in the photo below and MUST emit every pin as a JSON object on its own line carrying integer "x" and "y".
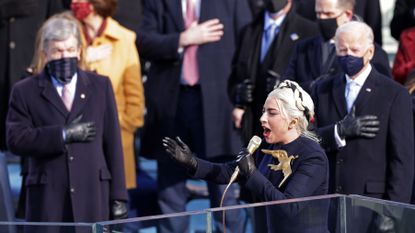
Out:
{"x": 254, "y": 144}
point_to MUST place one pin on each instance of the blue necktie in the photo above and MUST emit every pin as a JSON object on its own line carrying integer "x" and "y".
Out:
{"x": 352, "y": 90}
{"x": 267, "y": 39}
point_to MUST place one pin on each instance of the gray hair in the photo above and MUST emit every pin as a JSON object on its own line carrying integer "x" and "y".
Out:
{"x": 356, "y": 28}
{"x": 59, "y": 29}
{"x": 295, "y": 103}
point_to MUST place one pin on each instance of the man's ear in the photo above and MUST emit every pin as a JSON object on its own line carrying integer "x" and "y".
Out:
{"x": 349, "y": 14}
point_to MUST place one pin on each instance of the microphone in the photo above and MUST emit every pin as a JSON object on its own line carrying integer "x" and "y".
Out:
{"x": 252, "y": 146}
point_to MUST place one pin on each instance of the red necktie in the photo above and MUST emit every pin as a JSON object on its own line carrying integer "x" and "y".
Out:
{"x": 67, "y": 97}
{"x": 190, "y": 68}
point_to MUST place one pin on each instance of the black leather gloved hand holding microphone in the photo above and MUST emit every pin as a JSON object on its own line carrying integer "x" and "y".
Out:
{"x": 180, "y": 152}
{"x": 246, "y": 163}
{"x": 362, "y": 126}
{"x": 79, "y": 132}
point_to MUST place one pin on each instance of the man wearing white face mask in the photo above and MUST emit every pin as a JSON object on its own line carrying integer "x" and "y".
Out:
{"x": 365, "y": 122}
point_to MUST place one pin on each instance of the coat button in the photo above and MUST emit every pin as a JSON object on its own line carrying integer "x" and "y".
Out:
{"x": 72, "y": 190}
{"x": 12, "y": 44}
{"x": 12, "y": 19}
{"x": 71, "y": 158}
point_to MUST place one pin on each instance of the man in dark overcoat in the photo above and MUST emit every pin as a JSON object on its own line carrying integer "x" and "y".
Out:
{"x": 261, "y": 68}
{"x": 365, "y": 122}
{"x": 64, "y": 121}
{"x": 198, "y": 111}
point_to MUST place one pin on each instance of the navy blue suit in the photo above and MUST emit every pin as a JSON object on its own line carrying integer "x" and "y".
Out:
{"x": 309, "y": 178}
{"x": 381, "y": 167}
{"x": 67, "y": 182}
{"x": 306, "y": 63}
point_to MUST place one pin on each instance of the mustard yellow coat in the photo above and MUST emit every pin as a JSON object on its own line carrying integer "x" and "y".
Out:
{"x": 124, "y": 70}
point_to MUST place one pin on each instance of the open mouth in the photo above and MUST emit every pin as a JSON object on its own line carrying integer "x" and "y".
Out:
{"x": 267, "y": 131}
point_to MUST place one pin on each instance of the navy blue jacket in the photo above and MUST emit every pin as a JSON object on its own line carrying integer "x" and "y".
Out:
{"x": 309, "y": 178}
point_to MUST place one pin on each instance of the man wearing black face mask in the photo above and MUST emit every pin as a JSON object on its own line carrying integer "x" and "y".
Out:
{"x": 261, "y": 58}
{"x": 365, "y": 122}
{"x": 314, "y": 59}
{"x": 64, "y": 121}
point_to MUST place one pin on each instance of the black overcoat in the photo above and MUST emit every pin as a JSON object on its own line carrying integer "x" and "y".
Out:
{"x": 247, "y": 65}
{"x": 73, "y": 182}
{"x": 381, "y": 167}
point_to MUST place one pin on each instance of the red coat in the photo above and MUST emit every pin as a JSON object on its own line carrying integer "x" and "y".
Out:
{"x": 405, "y": 57}
{"x": 74, "y": 182}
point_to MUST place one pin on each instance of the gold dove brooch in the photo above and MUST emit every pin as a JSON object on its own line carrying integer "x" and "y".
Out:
{"x": 284, "y": 162}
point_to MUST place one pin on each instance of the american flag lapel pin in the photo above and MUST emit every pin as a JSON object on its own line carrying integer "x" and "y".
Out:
{"x": 294, "y": 36}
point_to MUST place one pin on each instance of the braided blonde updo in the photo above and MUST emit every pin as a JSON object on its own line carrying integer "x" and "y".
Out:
{"x": 295, "y": 103}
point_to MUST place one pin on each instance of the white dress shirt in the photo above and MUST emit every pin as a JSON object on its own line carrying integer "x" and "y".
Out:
{"x": 359, "y": 80}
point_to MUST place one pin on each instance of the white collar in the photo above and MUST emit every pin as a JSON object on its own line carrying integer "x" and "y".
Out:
{"x": 268, "y": 20}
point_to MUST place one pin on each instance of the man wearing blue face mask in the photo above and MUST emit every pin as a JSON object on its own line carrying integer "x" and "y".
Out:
{"x": 314, "y": 58}
{"x": 64, "y": 121}
{"x": 365, "y": 123}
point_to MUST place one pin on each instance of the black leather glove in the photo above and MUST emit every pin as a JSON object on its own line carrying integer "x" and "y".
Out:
{"x": 244, "y": 93}
{"x": 119, "y": 210}
{"x": 366, "y": 126}
{"x": 246, "y": 163}
{"x": 180, "y": 152}
{"x": 79, "y": 132}
{"x": 272, "y": 80}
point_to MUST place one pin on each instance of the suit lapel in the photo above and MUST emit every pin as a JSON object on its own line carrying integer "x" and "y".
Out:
{"x": 50, "y": 94}
{"x": 338, "y": 94}
{"x": 175, "y": 9}
{"x": 82, "y": 94}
